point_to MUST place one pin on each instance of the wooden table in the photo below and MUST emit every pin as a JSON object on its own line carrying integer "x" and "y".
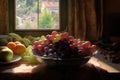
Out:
{"x": 23, "y": 71}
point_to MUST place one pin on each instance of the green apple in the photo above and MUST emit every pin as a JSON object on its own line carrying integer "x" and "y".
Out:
{"x": 6, "y": 54}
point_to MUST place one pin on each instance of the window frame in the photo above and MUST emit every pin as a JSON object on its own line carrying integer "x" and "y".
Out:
{"x": 63, "y": 20}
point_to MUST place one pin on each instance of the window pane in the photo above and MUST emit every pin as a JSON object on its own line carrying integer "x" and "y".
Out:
{"x": 37, "y": 14}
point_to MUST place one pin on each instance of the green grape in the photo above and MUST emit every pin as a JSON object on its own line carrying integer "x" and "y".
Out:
{"x": 55, "y": 40}
{"x": 28, "y": 56}
{"x": 58, "y": 37}
{"x": 30, "y": 59}
{"x": 43, "y": 38}
{"x": 26, "y": 41}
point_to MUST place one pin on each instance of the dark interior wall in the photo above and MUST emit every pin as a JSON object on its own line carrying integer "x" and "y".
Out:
{"x": 111, "y": 18}
{"x": 112, "y": 6}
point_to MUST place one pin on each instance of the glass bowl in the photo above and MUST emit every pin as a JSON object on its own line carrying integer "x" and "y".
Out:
{"x": 63, "y": 62}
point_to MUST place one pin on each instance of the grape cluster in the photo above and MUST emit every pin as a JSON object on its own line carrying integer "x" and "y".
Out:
{"x": 62, "y": 46}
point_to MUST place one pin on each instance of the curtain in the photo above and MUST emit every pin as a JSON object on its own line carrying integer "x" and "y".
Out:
{"x": 85, "y": 20}
{"x": 3, "y": 17}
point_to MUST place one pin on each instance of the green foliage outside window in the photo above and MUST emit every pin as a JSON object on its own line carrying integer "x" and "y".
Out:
{"x": 30, "y": 14}
{"x": 27, "y": 25}
{"x": 46, "y": 20}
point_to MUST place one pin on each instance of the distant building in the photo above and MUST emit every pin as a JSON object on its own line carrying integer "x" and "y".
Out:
{"x": 52, "y": 6}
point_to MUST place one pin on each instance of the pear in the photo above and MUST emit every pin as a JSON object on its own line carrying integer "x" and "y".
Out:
{"x": 6, "y": 54}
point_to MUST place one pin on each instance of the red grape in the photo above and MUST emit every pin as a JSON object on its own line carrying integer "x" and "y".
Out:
{"x": 46, "y": 42}
{"x": 36, "y": 43}
{"x": 70, "y": 37}
{"x": 46, "y": 49}
{"x": 64, "y": 35}
{"x": 86, "y": 44}
{"x": 47, "y": 36}
{"x": 54, "y": 33}
{"x": 93, "y": 48}
{"x": 50, "y": 37}
{"x": 79, "y": 42}
{"x": 40, "y": 47}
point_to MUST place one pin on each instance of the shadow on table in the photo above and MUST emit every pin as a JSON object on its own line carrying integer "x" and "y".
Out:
{"x": 44, "y": 72}
{"x": 84, "y": 72}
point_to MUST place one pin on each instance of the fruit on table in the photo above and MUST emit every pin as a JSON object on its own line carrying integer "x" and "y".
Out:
{"x": 3, "y": 42}
{"x": 28, "y": 56}
{"x": 62, "y": 45}
{"x": 14, "y": 37}
{"x": 11, "y": 45}
{"x": 17, "y": 47}
{"x": 25, "y": 41}
{"x": 6, "y": 54}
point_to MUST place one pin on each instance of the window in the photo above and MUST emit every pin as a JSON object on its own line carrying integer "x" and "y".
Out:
{"x": 33, "y": 15}
{"x": 37, "y": 14}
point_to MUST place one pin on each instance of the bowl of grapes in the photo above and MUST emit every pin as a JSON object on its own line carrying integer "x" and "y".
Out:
{"x": 63, "y": 49}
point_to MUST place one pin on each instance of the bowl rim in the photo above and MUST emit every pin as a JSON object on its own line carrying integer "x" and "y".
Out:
{"x": 60, "y": 59}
